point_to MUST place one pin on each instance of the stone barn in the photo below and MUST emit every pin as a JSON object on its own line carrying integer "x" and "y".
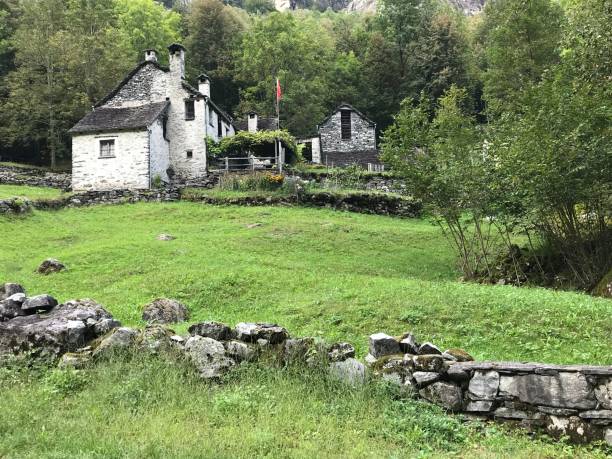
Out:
{"x": 346, "y": 136}
{"x": 150, "y": 129}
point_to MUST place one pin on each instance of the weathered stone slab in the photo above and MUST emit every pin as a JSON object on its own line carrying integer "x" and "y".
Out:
{"x": 214, "y": 330}
{"x": 429, "y": 349}
{"x": 434, "y": 363}
{"x": 11, "y": 307}
{"x": 9, "y": 289}
{"x": 208, "y": 356}
{"x": 597, "y": 414}
{"x": 512, "y": 413}
{"x": 447, "y": 395}
{"x": 557, "y": 411}
{"x": 457, "y": 374}
{"x": 423, "y": 378}
{"x": 118, "y": 340}
{"x": 603, "y": 394}
{"x": 251, "y": 332}
{"x": 520, "y": 367}
{"x": 339, "y": 352}
{"x": 38, "y": 303}
{"x": 350, "y": 370}
{"x": 240, "y": 351}
{"x": 382, "y": 344}
{"x": 479, "y": 406}
{"x": 408, "y": 344}
{"x": 457, "y": 355}
{"x": 484, "y": 385}
{"x": 566, "y": 390}
{"x": 49, "y": 266}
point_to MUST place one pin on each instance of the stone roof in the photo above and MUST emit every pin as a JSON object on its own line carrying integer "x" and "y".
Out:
{"x": 263, "y": 124}
{"x": 120, "y": 119}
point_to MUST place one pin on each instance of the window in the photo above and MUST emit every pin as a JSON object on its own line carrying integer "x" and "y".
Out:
{"x": 189, "y": 154}
{"x": 219, "y": 128}
{"x": 107, "y": 148}
{"x": 189, "y": 110}
{"x": 345, "y": 124}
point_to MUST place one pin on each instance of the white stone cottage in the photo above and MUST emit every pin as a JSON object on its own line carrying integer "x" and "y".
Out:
{"x": 151, "y": 128}
{"x": 345, "y": 137}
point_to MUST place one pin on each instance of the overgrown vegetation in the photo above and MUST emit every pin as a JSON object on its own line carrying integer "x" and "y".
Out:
{"x": 115, "y": 409}
{"x": 259, "y": 144}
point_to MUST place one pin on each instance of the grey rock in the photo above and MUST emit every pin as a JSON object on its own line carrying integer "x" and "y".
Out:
{"x": 155, "y": 338}
{"x": 433, "y": 363}
{"x": 408, "y": 344}
{"x": 603, "y": 394}
{"x": 608, "y": 436}
{"x": 394, "y": 378}
{"x": 208, "y": 356}
{"x": 214, "y": 330}
{"x": 49, "y": 266}
{"x": 457, "y": 355}
{"x": 457, "y": 374}
{"x": 597, "y": 414}
{"x": 350, "y": 371}
{"x": 9, "y": 289}
{"x": 303, "y": 350}
{"x": 117, "y": 340}
{"x": 382, "y": 344}
{"x": 177, "y": 339}
{"x": 576, "y": 429}
{"x": 557, "y": 411}
{"x": 339, "y": 352}
{"x": 444, "y": 394}
{"x": 11, "y": 307}
{"x": 566, "y": 390}
{"x": 484, "y": 385}
{"x": 252, "y": 332}
{"x": 38, "y": 303}
{"x": 65, "y": 328}
{"x": 104, "y": 326}
{"x": 165, "y": 311}
{"x": 423, "y": 378}
{"x": 429, "y": 349}
{"x": 240, "y": 351}
{"x": 165, "y": 237}
{"x": 479, "y": 406}
{"x": 370, "y": 359}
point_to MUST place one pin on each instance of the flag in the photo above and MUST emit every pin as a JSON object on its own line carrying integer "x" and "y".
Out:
{"x": 279, "y": 91}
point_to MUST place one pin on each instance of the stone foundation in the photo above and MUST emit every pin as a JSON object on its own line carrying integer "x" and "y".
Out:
{"x": 34, "y": 177}
{"x": 573, "y": 401}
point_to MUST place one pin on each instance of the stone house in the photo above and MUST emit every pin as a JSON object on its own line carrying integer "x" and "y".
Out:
{"x": 345, "y": 137}
{"x": 151, "y": 128}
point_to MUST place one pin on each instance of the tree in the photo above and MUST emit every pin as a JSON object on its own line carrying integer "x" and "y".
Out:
{"x": 215, "y": 31}
{"x": 521, "y": 41}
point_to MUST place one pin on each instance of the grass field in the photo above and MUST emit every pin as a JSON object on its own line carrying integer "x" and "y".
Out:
{"x": 337, "y": 275}
{"x": 30, "y": 192}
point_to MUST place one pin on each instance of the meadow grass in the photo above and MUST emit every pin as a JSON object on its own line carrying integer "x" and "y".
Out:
{"x": 32, "y": 193}
{"x": 156, "y": 408}
{"x": 337, "y": 275}
{"x": 340, "y": 276}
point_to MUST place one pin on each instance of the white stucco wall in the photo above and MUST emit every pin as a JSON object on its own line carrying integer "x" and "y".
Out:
{"x": 128, "y": 169}
{"x": 159, "y": 149}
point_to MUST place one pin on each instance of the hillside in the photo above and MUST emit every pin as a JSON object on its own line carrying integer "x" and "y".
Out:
{"x": 467, "y": 6}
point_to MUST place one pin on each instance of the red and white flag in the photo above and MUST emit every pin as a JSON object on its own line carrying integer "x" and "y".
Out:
{"x": 279, "y": 91}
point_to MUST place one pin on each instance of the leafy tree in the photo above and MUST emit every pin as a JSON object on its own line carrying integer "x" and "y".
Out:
{"x": 259, "y": 6}
{"x": 215, "y": 31}
{"x": 521, "y": 42}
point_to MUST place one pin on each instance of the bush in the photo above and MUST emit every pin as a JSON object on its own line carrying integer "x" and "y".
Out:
{"x": 251, "y": 182}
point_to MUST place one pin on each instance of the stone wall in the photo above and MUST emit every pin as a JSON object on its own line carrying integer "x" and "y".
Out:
{"x": 574, "y": 401}
{"x": 34, "y": 177}
{"x": 89, "y": 198}
{"x": 15, "y": 206}
{"x": 346, "y": 158}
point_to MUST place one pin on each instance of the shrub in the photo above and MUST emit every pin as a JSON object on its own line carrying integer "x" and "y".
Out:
{"x": 251, "y": 182}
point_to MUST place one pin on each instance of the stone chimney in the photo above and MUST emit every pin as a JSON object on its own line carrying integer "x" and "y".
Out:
{"x": 204, "y": 85}
{"x": 253, "y": 121}
{"x": 151, "y": 55}
{"x": 177, "y": 60}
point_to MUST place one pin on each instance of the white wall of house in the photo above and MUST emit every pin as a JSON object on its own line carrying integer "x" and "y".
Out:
{"x": 159, "y": 150}
{"x": 128, "y": 169}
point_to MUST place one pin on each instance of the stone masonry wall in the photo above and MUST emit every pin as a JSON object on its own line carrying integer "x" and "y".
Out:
{"x": 574, "y": 401}
{"x": 363, "y": 135}
{"x": 34, "y": 177}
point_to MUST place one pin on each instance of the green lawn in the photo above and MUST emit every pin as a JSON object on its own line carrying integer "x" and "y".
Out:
{"x": 30, "y": 192}
{"x": 318, "y": 272}
{"x": 315, "y": 271}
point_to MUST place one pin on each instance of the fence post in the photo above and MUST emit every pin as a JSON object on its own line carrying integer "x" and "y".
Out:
{"x": 226, "y": 164}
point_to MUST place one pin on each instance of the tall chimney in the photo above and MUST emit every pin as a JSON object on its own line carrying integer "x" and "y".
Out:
{"x": 204, "y": 84}
{"x": 252, "y": 122}
{"x": 177, "y": 60}
{"x": 151, "y": 55}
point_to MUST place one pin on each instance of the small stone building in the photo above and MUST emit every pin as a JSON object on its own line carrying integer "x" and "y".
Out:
{"x": 150, "y": 129}
{"x": 346, "y": 136}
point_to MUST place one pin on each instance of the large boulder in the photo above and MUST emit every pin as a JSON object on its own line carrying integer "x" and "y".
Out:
{"x": 444, "y": 394}
{"x": 252, "y": 332}
{"x": 165, "y": 311}
{"x": 350, "y": 371}
{"x": 9, "y": 289}
{"x": 49, "y": 266}
{"x": 118, "y": 340}
{"x": 214, "y": 330}
{"x": 208, "y": 356}
{"x": 382, "y": 344}
{"x": 65, "y": 328}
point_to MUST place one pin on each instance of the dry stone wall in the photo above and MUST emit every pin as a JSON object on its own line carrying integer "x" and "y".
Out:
{"x": 574, "y": 401}
{"x": 34, "y": 177}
